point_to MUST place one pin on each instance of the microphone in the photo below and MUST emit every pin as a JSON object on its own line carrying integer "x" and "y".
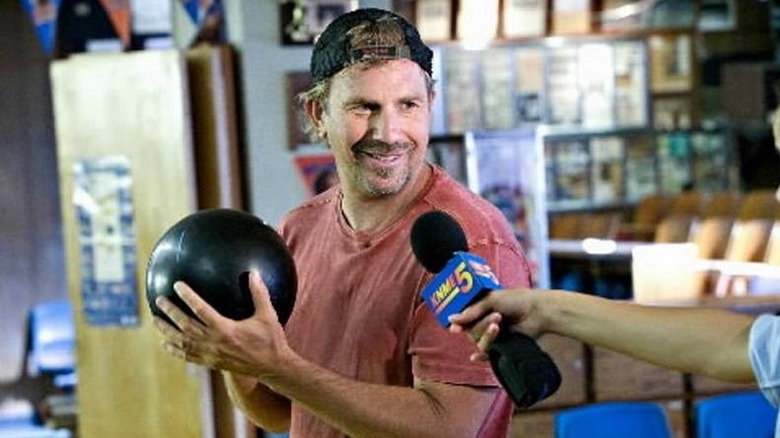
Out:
{"x": 526, "y": 372}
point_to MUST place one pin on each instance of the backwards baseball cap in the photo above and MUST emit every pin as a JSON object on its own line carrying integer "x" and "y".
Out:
{"x": 333, "y": 51}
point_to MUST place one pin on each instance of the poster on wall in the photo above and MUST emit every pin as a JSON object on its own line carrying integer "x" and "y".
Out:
{"x": 461, "y": 90}
{"x": 563, "y": 85}
{"x": 529, "y": 85}
{"x": 107, "y": 242}
{"x": 301, "y": 21}
{"x": 43, "y": 14}
{"x": 317, "y": 170}
{"x": 507, "y": 169}
{"x": 497, "y": 83}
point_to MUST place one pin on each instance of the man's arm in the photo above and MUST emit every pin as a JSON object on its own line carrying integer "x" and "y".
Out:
{"x": 261, "y": 406}
{"x": 256, "y": 349}
{"x": 362, "y": 409}
{"x": 706, "y": 341}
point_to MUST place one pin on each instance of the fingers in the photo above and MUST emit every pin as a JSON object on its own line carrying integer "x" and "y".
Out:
{"x": 183, "y": 332}
{"x": 174, "y": 341}
{"x": 260, "y": 296}
{"x": 199, "y": 307}
{"x": 470, "y": 313}
{"x": 484, "y": 342}
{"x": 488, "y": 336}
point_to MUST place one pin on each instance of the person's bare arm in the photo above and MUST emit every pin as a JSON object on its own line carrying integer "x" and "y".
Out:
{"x": 259, "y": 404}
{"x": 706, "y": 341}
{"x": 257, "y": 348}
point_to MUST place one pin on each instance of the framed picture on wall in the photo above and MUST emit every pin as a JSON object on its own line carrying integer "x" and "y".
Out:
{"x": 717, "y": 15}
{"x": 301, "y": 21}
{"x": 671, "y": 62}
{"x": 297, "y": 82}
{"x": 434, "y": 19}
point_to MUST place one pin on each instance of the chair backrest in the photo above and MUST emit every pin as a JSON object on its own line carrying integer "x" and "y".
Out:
{"x": 772, "y": 255}
{"x": 735, "y": 415}
{"x": 726, "y": 203}
{"x": 674, "y": 229}
{"x": 759, "y": 204}
{"x": 748, "y": 241}
{"x": 690, "y": 203}
{"x": 52, "y": 334}
{"x": 613, "y": 420}
{"x": 565, "y": 226}
{"x": 711, "y": 236}
{"x": 600, "y": 225}
{"x": 651, "y": 209}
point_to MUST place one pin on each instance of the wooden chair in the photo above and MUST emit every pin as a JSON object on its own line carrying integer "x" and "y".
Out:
{"x": 565, "y": 226}
{"x": 690, "y": 203}
{"x": 603, "y": 225}
{"x": 724, "y": 204}
{"x": 711, "y": 236}
{"x": 646, "y": 217}
{"x": 767, "y": 284}
{"x": 772, "y": 255}
{"x": 674, "y": 229}
{"x": 684, "y": 210}
{"x": 747, "y": 243}
{"x": 759, "y": 204}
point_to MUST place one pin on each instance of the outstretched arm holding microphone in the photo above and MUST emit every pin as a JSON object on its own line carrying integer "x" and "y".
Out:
{"x": 712, "y": 342}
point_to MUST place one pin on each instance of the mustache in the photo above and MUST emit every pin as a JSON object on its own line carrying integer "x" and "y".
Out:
{"x": 380, "y": 147}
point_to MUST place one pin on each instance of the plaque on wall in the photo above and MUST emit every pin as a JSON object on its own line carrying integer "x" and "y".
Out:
{"x": 434, "y": 19}
{"x": 671, "y": 63}
{"x": 301, "y": 21}
{"x": 524, "y": 18}
{"x": 529, "y": 85}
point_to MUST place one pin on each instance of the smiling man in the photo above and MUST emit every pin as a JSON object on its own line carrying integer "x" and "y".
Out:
{"x": 361, "y": 355}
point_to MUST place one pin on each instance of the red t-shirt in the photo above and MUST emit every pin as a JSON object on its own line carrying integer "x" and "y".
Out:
{"x": 358, "y": 310}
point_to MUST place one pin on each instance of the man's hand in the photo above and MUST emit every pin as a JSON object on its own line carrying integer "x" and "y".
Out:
{"x": 255, "y": 346}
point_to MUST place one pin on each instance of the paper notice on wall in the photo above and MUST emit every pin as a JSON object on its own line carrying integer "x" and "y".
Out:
{"x": 107, "y": 243}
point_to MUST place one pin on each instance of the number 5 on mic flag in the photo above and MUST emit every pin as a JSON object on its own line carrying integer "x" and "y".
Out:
{"x": 463, "y": 278}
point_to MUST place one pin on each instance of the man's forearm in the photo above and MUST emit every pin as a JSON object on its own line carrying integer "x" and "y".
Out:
{"x": 711, "y": 342}
{"x": 362, "y": 409}
{"x": 259, "y": 404}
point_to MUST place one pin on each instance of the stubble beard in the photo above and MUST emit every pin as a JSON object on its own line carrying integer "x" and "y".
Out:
{"x": 378, "y": 190}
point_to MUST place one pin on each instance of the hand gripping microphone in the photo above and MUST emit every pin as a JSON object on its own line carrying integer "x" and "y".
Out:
{"x": 527, "y": 373}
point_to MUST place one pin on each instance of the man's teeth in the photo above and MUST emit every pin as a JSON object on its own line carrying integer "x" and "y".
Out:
{"x": 382, "y": 157}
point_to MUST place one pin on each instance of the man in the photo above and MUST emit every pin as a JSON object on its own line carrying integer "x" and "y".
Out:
{"x": 361, "y": 355}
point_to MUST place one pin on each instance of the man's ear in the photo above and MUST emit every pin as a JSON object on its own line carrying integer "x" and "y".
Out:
{"x": 315, "y": 111}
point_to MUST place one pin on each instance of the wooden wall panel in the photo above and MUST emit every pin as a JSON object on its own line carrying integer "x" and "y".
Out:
{"x": 134, "y": 105}
{"x": 219, "y": 174}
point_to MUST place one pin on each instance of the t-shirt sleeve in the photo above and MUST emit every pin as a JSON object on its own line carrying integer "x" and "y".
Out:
{"x": 764, "y": 348}
{"x": 441, "y": 356}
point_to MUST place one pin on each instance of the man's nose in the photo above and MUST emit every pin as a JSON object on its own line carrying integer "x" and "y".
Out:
{"x": 386, "y": 127}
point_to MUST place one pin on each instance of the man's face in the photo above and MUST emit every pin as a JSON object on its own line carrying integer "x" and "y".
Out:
{"x": 376, "y": 121}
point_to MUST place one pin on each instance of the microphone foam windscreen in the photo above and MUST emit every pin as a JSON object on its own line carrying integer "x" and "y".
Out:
{"x": 435, "y": 238}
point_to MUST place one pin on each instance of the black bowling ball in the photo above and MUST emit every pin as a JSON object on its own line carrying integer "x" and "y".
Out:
{"x": 213, "y": 251}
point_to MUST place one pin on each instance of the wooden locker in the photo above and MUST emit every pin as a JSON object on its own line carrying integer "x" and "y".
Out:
{"x": 134, "y": 106}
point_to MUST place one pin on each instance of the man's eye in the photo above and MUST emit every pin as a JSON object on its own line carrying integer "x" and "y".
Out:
{"x": 409, "y": 105}
{"x": 361, "y": 109}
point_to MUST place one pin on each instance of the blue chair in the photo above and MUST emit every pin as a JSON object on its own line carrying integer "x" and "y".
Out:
{"x": 53, "y": 342}
{"x": 735, "y": 415}
{"x": 51, "y": 353}
{"x": 613, "y": 420}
